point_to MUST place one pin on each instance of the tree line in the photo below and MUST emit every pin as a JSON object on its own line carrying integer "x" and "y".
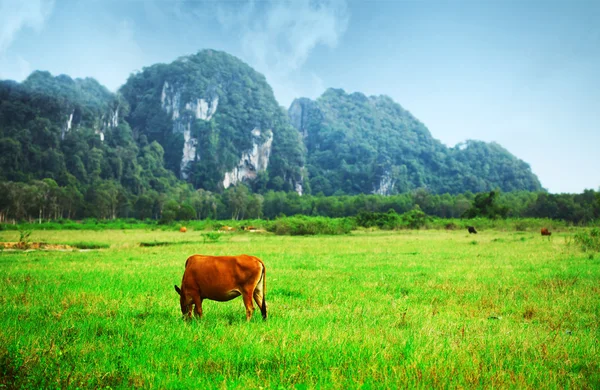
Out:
{"x": 44, "y": 200}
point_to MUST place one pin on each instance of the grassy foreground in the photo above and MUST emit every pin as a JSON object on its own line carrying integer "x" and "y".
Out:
{"x": 367, "y": 310}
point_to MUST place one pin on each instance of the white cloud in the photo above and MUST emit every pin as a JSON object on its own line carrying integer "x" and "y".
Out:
{"x": 17, "y": 14}
{"x": 277, "y": 38}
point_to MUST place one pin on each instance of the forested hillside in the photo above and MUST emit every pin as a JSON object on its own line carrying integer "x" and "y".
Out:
{"x": 358, "y": 144}
{"x": 218, "y": 121}
{"x": 65, "y": 141}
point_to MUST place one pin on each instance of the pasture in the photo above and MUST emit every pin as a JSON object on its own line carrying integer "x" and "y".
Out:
{"x": 430, "y": 308}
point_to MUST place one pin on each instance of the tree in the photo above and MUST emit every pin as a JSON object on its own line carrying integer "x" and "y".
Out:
{"x": 485, "y": 205}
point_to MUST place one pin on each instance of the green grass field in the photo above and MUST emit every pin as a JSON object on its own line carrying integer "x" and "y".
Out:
{"x": 366, "y": 310}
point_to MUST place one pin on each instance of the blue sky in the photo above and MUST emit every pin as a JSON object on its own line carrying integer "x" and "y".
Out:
{"x": 525, "y": 74}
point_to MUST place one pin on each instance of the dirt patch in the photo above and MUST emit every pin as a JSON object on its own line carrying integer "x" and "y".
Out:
{"x": 35, "y": 245}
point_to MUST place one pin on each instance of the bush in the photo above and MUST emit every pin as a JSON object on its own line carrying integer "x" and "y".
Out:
{"x": 415, "y": 218}
{"x": 388, "y": 221}
{"x": 211, "y": 237}
{"x": 301, "y": 225}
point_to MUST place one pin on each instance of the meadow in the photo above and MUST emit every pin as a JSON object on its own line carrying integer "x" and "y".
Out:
{"x": 370, "y": 309}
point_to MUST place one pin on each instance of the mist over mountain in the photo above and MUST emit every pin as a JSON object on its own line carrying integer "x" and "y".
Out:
{"x": 211, "y": 120}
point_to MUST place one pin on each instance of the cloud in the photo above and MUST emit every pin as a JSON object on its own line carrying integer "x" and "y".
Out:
{"x": 17, "y": 14}
{"x": 14, "y": 67}
{"x": 277, "y": 37}
{"x": 284, "y": 37}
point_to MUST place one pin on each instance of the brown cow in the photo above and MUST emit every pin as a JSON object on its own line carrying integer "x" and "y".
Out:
{"x": 545, "y": 232}
{"x": 222, "y": 278}
{"x": 227, "y": 229}
{"x": 183, "y": 229}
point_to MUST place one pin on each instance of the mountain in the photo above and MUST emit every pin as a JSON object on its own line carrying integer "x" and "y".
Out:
{"x": 218, "y": 122}
{"x": 358, "y": 144}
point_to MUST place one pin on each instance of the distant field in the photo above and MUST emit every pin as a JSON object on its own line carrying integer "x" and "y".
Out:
{"x": 365, "y": 310}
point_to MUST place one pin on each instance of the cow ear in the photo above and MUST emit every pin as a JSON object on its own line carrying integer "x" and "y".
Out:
{"x": 178, "y": 290}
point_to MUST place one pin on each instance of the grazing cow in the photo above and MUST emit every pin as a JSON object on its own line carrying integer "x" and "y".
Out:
{"x": 183, "y": 229}
{"x": 545, "y": 232}
{"x": 227, "y": 229}
{"x": 472, "y": 230}
{"x": 222, "y": 278}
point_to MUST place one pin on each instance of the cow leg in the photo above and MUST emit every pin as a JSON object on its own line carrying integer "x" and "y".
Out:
{"x": 198, "y": 304}
{"x": 247, "y": 295}
{"x": 259, "y": 298}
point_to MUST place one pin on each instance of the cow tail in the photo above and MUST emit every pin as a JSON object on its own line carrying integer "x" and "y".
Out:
{"x": 263, "y": 307}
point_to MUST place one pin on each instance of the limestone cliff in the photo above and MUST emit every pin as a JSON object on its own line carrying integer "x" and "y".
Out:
{"x": 217, "y": 120}
{"x": 182, "y": 114}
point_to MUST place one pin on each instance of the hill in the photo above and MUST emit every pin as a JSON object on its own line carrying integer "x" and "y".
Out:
{"x": 218, "y": 121}
{"x": 358, "y": 144}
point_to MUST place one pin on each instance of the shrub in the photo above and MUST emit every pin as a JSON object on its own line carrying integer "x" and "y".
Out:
{"x": 390, "y": 220}
{"x": 415, "y": 218}
{"x": 301, "y": 225}
{"x": 211, "y": 237}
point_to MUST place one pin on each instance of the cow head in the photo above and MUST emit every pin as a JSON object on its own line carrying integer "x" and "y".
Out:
{"x": 185, "y": 302}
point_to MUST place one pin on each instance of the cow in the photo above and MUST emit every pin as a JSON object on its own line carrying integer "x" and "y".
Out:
{"x": 222, "y": 278}
{"x": 472, "y": 230}
{"x": 227, "y": 229}
{"x": 183, "y": 229}
{"x": 545, "y": 232}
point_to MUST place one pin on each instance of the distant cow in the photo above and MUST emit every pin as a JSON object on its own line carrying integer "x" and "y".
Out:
{"x": 183, "y": 229}
{"x": 545, "y": 232}
{"x": 227, "y": 229}
{"x": 222, "y": 278}
{"x": 472, "y": 230}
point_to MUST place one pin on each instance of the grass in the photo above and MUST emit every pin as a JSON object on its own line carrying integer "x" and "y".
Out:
{"x": 367, "y": 310}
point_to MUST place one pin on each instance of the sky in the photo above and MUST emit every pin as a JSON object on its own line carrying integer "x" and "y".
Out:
{"x": 525, "y": 74}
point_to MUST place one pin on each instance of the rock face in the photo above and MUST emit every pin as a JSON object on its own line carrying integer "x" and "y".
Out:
{"x": 217, "y": 121}
{"x": 300, "y": 112}
{"x": 386, "y": 185}
{"x": 67, "y": 127}
{"x": 182, "y": 114}
{"x": 107, "y": 121}
{"x": 252, "y": 161}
